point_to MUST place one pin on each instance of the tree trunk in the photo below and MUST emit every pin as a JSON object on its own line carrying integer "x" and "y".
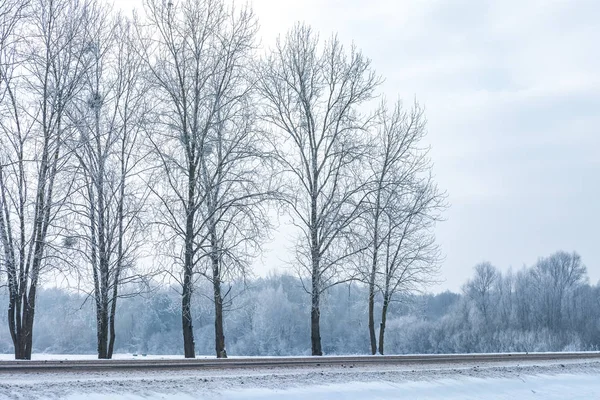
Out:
{"x": 315, "y": 316}
{"x": 384, "y": 310}
{"x": 102, "y": 326}
{"x": 28, "y": 314}
{"x": 373, "y": 274}
{"x": 13, "y": 330}
{"x": 117, "y": 274}
{"x": 315, "y": 310}
{"x": 24, "y": 336}
{"x": 216, "y": 281}
{"x": 111, "y": 327}
{"x": 21, "y": 352}
{"x": 186, "y": 301}
{"x": 186, "y": 316}
{"x": 219, "y": 331}
{"x": 372, "y": 335}
{"x": 21, "y": 309}
{"x": 102, "y": 337}
{"x": 28, "y": 303}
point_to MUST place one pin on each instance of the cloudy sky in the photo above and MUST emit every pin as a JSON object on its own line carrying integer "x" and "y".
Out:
{"x": 512, "y": 93}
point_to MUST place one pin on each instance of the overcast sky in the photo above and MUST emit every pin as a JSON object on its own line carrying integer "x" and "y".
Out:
{"x": 512, "y": 94}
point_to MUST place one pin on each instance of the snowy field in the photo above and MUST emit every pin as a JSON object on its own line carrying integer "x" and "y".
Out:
{"x": 523, "y": 381}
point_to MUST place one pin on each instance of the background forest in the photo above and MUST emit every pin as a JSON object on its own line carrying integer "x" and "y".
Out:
{"x": 497, "y": 312}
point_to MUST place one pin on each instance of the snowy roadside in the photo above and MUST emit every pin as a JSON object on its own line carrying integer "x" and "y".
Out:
{"x": 543, "y": 380}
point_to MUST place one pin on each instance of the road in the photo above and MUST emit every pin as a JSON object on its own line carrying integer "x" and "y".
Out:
{"x": 287, "y": 362}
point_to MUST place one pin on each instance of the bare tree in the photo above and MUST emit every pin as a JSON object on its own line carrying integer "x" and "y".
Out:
{"x": 553, "y": 278}
{"x": 43, "y": 79}
{"x": 238, "y": 188}
{"x": 313, "y": 93}
{"x": 108, "y": 114}
{"x": 506, "y": 286}
{"x": 480, "y": 288}
{"x": 235, "y": 175}
{"x": 204, "y": 142}
{"x": 402, "y": 206}
{"x": 524, "y": 310}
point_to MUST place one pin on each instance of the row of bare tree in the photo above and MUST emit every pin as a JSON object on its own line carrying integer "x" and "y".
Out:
{"x": 167, "y": 137}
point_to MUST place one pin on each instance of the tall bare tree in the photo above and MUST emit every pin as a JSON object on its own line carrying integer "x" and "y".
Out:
{"x": 313, "y": 93}
{"x": 203, "y": 143}
{"x": 39, "y": 85}
{"x": 235, "y": 176}
{"x": 479, "y": 289}
{"x": 402, "y": 206}
{"x": 553, "y": 278}
{"x": 108, "y": 114}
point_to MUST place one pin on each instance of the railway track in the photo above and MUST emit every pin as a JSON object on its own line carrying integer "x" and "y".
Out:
{"x": 285, "y": 362}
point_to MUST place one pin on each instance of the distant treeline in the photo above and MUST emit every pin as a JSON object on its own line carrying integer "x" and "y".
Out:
{"x": 546, "y": 307}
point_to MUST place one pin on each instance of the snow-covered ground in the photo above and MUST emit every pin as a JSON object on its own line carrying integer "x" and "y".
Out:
{"x": 540, "y": 380}
{"x": 549, "y": 387}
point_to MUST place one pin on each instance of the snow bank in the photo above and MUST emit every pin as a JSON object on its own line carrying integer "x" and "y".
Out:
{"x": 549, "y": 380}
{"x": 560, "y": 387}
